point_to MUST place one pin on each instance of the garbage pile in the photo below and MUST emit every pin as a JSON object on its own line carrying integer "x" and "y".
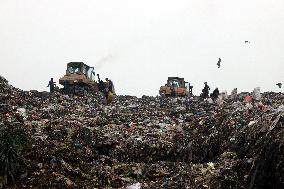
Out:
{"x": 149, "y": 142}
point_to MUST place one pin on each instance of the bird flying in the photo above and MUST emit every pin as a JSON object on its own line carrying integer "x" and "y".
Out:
{"x": 219, "y": 63}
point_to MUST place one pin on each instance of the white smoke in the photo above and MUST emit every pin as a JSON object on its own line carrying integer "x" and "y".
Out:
{"x": 104, "y": 60}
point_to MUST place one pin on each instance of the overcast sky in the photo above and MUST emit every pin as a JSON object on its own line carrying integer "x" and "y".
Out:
{"x": 139, "y": 43}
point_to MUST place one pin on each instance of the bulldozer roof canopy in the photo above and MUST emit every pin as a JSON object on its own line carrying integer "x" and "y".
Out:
{"x": 78, "y": 64}
{"x": 176, "y": 78}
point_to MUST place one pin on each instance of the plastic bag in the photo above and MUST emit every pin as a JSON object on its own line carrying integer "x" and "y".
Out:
{"x": 256, "y": 93}
{"x": 134, "y": 186}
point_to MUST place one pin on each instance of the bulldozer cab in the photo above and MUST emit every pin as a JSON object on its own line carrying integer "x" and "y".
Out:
{"x": 79, "y": 76}
{"x": 81, "y": 69}
{"x": 176, "y": 82}
{"x": 175, "y": 87}
{"x": 187, "y": 86}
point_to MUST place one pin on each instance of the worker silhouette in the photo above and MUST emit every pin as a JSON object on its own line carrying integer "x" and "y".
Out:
{"x": 205, "y": 90}
{"x": 101, "y": 84}
{"x": 190, "y": 87}
{"x": 110, "y": 85}
{"x": 215, "y": 94}
{"x": 51, "y": 85}
{"x": 219, "y": 63}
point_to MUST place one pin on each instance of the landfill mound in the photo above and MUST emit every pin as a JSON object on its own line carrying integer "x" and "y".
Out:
{"x": 65, "y": 141}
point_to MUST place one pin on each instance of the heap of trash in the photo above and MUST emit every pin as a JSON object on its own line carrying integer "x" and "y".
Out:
{"x": 68, "y": 141}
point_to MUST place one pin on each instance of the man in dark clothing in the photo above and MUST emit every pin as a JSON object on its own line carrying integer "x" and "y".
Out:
{"x": 51, "y": 85}
{"x": 190, "y": 88}
{"x": 215, "y": 94}
{"x": 101, "y": 84}
{"x": 205, "y": 90}
{"x": 110, "y": 85}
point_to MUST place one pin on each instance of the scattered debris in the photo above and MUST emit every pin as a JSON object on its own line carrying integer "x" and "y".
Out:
{"x": 148, "y": 142}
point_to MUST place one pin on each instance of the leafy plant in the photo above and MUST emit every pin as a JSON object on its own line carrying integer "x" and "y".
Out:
{"x": 13, "y": 140}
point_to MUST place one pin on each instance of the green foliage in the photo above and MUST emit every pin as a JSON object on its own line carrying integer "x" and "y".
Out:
{"x": 13, "y": 140}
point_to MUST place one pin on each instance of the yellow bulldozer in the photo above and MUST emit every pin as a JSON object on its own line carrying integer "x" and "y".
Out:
{"x": 80, "y": 77}
{"x": 176, "y": 87}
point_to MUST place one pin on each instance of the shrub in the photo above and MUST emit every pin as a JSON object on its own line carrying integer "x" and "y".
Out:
{"x": 13, "y": 140}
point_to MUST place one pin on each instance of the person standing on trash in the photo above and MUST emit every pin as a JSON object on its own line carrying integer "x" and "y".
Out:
{"x": 107, "y": 84}
{"x": 110, "y": 85}
{"x": 190, "y": 87}
{"x": 108, "y": 91}
{"x": 205, "y": 90}
{"x": 215, "y": 94}
{"x": 51, "y": 85}
{"x": 101, "y": 84}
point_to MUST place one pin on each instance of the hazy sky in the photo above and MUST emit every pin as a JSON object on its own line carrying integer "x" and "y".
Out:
{"x": 138, "y": 44}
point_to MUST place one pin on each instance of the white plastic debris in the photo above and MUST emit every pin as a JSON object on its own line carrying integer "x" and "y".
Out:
{"x": 209, "y": 100}
{"x": 211, "y": 165}
{"x": 22, "y": 112}
{"x": 249, "y": 106}
{"x": 234, "y": 92}
{"x": 134, "y": 186}
{"x": 252, "y": 123}
{"x": 220, "y": 101}
{"x": 224, "y": 95}
{"x": 280, "y": 108}
{"x": 256, "y": 93}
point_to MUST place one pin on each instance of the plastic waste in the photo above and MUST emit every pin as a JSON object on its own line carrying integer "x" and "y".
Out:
{"x": 22, "y": 112}
{"x": 256, "y": 93}
{"x": 134, "y": 186}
